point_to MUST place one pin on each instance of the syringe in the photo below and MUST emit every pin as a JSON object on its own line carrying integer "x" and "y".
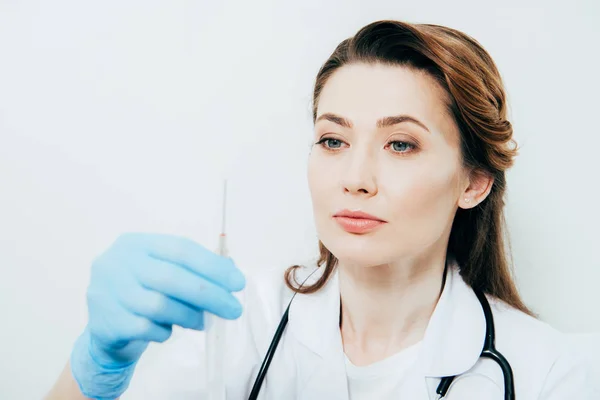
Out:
{"x": 215, "y": 330}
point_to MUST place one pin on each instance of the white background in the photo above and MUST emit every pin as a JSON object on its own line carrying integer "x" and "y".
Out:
{"x": 125, "y": 116}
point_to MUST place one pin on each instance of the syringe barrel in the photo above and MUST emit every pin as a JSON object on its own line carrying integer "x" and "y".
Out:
{"x": 214, "y": 329}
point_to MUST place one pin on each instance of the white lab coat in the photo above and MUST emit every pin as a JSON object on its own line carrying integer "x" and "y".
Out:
{"x": 309, "y": 361}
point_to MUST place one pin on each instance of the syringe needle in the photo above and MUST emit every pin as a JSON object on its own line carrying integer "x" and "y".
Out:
{"x": 224, "y": 207}
{"x": 222, "y": 237}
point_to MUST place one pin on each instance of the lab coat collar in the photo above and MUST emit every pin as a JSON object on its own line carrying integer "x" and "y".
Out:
{"x": 314, "y": 323}
{"x": 314, "y": 318}
{"x": 456, "y": 331}
{"x": 452, "y": 342}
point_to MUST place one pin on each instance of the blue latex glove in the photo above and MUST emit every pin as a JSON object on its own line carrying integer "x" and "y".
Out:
{"x": 139, "y": 288}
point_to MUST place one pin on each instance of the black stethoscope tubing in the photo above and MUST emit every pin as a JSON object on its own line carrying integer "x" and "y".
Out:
{"x": 488, "y": 351}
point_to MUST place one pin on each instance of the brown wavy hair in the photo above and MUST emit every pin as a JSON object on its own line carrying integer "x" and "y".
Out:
{"x": 477, "y": 103}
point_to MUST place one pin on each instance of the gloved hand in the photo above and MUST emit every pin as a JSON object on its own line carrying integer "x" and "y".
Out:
{"x": 139, "y": 288}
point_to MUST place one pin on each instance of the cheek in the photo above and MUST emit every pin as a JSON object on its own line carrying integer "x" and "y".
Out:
{"x": 312, "y": 175}
{"x": 423, "y": 202}
{"x": 426, "y": 187}
{"x": 318, "y": 182}
{"x": 324, "y": 185}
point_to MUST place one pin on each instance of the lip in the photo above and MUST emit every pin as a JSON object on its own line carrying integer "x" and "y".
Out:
{"x": 358, "y": 215}
{"x": 357, "y": 221}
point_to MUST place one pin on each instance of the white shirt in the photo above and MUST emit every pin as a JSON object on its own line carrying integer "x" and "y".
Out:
{"x": 383, "y": 379}
{"x": 309, "y": 361}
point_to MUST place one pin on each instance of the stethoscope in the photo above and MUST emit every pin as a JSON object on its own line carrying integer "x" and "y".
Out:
{"x": 488, "y": 351}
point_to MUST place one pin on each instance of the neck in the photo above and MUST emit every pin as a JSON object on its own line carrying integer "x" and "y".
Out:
{"x": 386, "y": 308}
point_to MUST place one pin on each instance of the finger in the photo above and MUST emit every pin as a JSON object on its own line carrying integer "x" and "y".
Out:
{"x": 113, "y": 323}
{"x": 162, "y": 309}
{"x": 195, "y": 257}
{"x": 140, "y": 328}
{"x": 182, "y": 285}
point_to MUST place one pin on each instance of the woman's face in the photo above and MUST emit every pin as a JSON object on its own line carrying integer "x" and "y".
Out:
{"x": 407, "y": 172}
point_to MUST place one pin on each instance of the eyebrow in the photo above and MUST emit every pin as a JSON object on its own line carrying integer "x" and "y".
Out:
{"x": 381, "y": 123}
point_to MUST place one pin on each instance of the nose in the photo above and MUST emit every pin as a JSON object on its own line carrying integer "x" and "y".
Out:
{"x": 358, "y": 176}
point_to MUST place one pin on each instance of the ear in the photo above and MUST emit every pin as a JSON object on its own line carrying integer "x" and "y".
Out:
{"x": 479, "y": 187}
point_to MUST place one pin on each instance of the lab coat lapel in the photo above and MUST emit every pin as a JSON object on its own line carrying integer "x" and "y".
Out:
{"x": 455, "y": 334}
{"x": 314, "y": 323}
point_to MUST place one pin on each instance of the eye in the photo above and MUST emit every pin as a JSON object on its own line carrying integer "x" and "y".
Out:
{"x": 330, "y": 143}
{"x": 401, "y": 147}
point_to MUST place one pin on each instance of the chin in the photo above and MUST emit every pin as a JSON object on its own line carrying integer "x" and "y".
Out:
{"x": 358, "y": 250}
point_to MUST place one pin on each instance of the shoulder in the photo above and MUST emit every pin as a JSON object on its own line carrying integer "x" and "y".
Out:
{"x": 267, "y": 288}
{"x": 266, "y": 296}
{"x": 247, "y": 338}
{"x": 516, "y": 328}
{"x": 542, "y": 357}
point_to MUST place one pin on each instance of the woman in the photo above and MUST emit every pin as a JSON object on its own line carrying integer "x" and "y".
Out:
{"x": 407, "y": 177}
